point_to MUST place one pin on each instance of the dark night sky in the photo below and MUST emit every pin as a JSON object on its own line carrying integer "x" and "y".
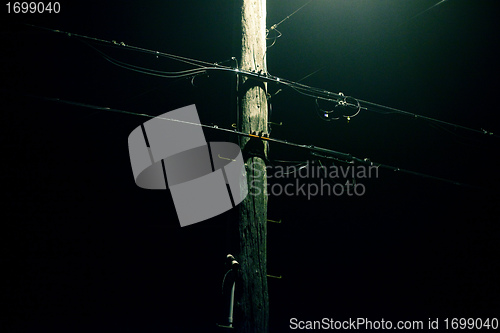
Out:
{"x": 84, "y": 249}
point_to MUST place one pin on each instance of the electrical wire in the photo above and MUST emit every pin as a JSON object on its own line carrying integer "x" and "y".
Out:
{"x": 301, "y": 79}
{"x": 274, "y": 26}
{"x": 348, "y": 158}
{"x": 306, "y": 90}
{"x": 373, "y": 107}
{"x": 277, "y": 33}
{"x": 224, "y": 279}
{"x": 324, "y": 114}
{"x": 331, "y": 158}
{"x": 295, "y": 164}
{"x": 122, "y": 45}
{"x": 356, "y": 49}
{"x": 370, "y": 106}
{"x": 425, "y": 10}
{"x": 289, "y": 162}
{"x": 148, "y": 71}
{"x": 340, "y": 104}
{"x": 328, "y": 179}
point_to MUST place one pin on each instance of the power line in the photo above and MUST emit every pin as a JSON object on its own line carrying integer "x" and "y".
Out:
{"x": 362, "y": 45}
{"x": 149, "y": 71}
{"x": 194, "y": 62}
{"x": 316, "y": 93}
{"x": 339, "y": 98}
{"x": 274, "y": 26}
{"x": 277, "y": 33}
{"x": 426, "y": 10}
{"x": 314, "y": 150}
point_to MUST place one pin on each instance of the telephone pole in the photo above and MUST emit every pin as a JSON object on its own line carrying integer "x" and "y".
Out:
{"x": 252, "y": 298}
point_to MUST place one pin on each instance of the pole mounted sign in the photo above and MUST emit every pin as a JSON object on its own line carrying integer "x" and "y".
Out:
{"x": 205, "y": 179}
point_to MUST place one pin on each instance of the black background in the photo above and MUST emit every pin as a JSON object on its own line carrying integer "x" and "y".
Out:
{"x": 84, "y": 249}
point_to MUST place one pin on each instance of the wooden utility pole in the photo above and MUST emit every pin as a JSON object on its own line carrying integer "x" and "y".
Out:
{"x": 252, "y": 298}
